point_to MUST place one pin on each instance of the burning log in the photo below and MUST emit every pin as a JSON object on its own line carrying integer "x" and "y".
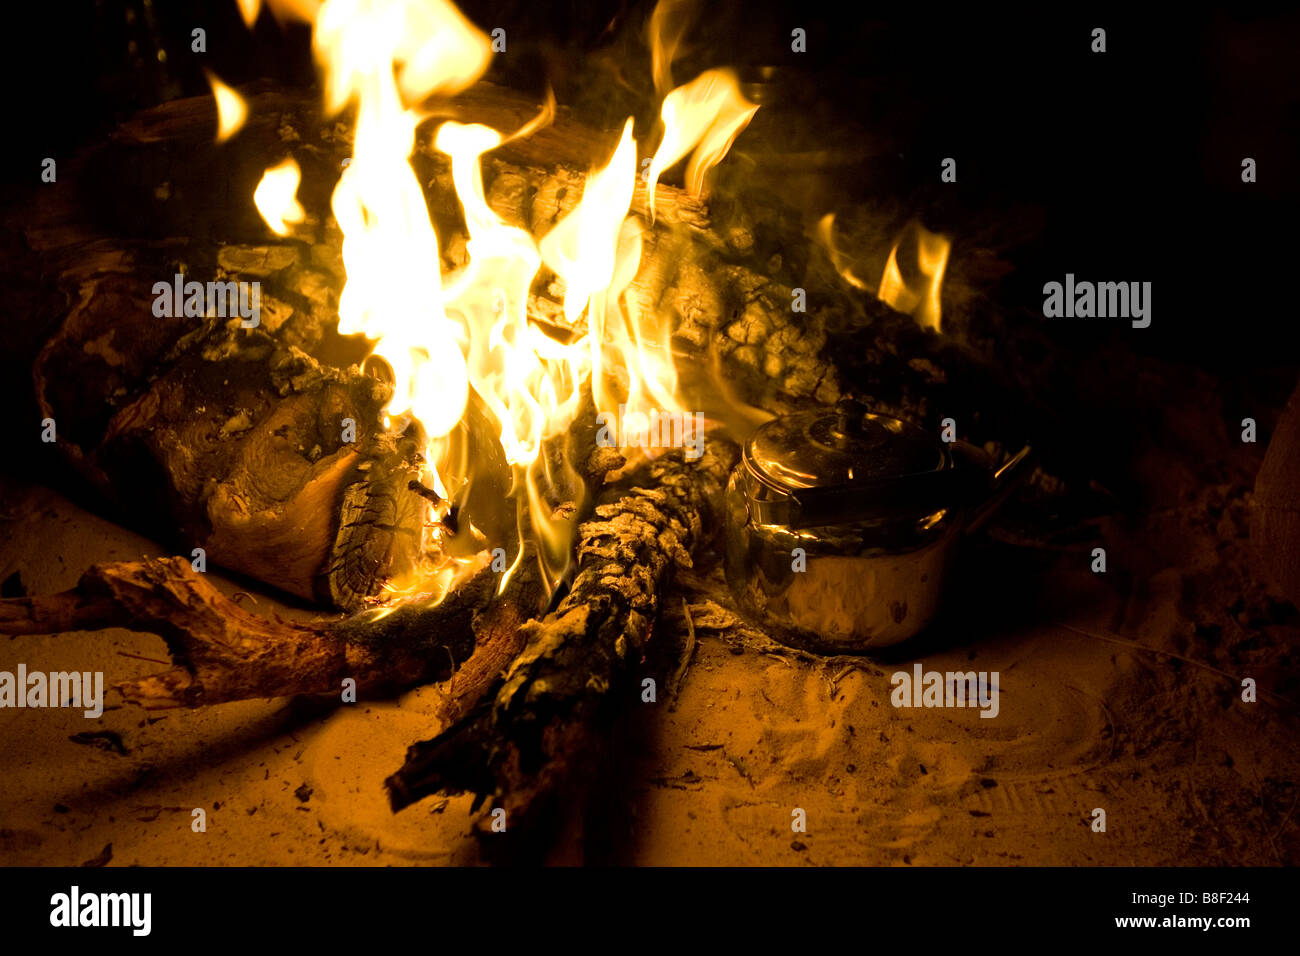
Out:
{"x": 532, "y": 739}
{"x": 721, "y": 304}
{"x": 242, "y": 433}
{"x": 225, "y": 653}
{"x": 239, "y": 444}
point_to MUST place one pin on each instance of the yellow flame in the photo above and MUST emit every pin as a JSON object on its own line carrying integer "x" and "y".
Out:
{"x": 706, "y": 115}
{"x": 491, "y": 293}
{"x": 544, "y": 118}
{"x": 249, "y": 9}
{"x": 582, "y": 247}
{"x": 667, "y": 27}
{"x": 442, "y": 336}
{"x": 381, "y": 53}
{"x": 276, "y": 197}
{"x": 430, "y": 46}
{"x": 231, "y": 110}
{"x": 932, "y": 257}
{"x": 920, "y": 297}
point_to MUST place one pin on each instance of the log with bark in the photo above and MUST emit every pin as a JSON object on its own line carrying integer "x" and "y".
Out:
{"x": 223, "y": 652}
{"x": 538, "y": 736}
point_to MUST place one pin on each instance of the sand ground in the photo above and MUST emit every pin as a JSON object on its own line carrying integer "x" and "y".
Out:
{"x": 1119, "y": 692}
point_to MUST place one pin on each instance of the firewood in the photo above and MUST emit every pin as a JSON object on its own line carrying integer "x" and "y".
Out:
{"x": 539, "y": 733}
{"x": 224, "y": 653}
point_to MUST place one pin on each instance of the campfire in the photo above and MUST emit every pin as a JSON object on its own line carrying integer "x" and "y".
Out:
{"x": 524, "y": 403}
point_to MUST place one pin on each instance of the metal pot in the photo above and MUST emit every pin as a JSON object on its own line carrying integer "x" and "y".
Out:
{"x": 840, "y": 524}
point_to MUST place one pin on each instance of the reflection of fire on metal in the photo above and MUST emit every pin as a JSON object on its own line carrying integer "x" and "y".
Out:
{"x": 445, "y": 336}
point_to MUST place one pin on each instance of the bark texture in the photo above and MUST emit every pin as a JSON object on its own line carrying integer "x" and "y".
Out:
{"x": 539, "y": 734}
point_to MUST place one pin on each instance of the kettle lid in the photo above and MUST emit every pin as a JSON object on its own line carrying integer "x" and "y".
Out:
{"x": 848, "y": 464}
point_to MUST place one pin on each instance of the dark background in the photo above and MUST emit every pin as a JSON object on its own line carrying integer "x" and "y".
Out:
{"x": 1117, "y": 166}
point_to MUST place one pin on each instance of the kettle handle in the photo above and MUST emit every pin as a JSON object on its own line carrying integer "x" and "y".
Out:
{"x": 1003, "y": 481}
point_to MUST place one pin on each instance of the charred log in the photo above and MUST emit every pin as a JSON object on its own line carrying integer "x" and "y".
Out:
{"x": 537, "y": 735}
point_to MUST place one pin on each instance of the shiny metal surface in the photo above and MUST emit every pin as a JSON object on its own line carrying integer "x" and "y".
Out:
{"x": 841, "y": 526}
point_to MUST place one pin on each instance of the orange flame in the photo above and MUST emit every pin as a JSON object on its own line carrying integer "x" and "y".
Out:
{"x": 231, "y": 109}
{"x": 919, "y": 298}
{"x": 825, "y": 235}
{"x": 249, "y": 9}
{"x": 668, "y": 25}
{"x": 706, "y": 115}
